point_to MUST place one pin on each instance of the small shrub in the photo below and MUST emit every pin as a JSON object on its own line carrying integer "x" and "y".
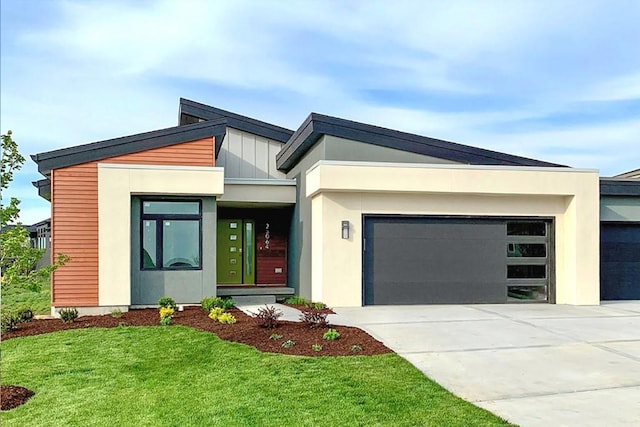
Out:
{"x": 268, "y": 316}
{"x": 331, "y": 335}
{"x": 275, "y": 337}
{"x": 166, "y": 315}
{"x": 356, "y": 347}
{"x": 215, "y": 313}
{"x": 227, "y": 319}
{"x": 316, "y": 347}
{"x": 68, "y": 315}
{"x": 212, "y": 302}
{"x": 117, "y": 313}
{"x": 168, "y": 302}
{"x": 24, "y": 314}
{"x": 314, "y": 319}
{"x": 8, "y": 321}
{"x": 288, "y": 344}
{"x": 296, "y": 301}
{"x": 228, "y": 303}
{"x": 315, "y": 305}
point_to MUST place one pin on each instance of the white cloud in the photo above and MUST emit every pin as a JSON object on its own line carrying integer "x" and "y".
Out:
{"x": 107, "y": 69}
{"x": 619, "y": 88}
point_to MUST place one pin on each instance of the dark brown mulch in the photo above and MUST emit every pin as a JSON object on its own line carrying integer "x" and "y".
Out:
{"x": 302, "y": 307}
{"x": 245, "y": 331}
{"x": 12, "y": 396}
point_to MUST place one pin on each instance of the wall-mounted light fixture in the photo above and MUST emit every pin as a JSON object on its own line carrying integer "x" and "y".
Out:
{"x": 345, "y": 229}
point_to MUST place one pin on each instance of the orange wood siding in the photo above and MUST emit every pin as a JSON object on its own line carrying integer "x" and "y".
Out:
{"x": 74, "y": 216}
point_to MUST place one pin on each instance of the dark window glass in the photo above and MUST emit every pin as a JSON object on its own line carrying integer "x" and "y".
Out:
{"x": 148, "y": 244}
{"x": 181, "y": 244}
{"x": 170, "y": 208}
{"x": 171, "y": 232}
{"x": 522, "y": 228}
{"x": 526, "y": 271}
{"x": 527, "y": 293}
{"x": 534, "y": 250}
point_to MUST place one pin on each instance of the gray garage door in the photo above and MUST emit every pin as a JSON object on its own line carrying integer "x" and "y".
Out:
{"x": 435, "y": 260}
{"x": 620, "y": 261}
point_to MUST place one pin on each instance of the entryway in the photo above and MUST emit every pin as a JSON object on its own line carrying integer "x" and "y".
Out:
{"x": 252, "y": 247}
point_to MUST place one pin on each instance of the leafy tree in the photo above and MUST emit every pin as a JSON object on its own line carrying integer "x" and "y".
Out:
{"x": 17, "y": 257}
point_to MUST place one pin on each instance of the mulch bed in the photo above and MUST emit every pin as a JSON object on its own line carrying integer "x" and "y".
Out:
{"x": 302, "y": 307}
{"x": 245, "y": 331}
{"x": 12, "y": 396}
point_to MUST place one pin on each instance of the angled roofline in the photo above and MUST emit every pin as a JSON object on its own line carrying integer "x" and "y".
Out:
{"x": 236, "y": 121}
{"x": 619, "y": 187}
{"x": 629, "y": 174}
{"x": 44, "y": 188}
{"x": 316, "y": 125}
{"x": 128, "y": 144}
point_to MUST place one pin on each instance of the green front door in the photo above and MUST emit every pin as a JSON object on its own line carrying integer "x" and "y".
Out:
{"x": 236, "y": 252}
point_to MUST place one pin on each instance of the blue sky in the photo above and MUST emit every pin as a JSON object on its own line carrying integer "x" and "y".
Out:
{"x": 553, "y": 80}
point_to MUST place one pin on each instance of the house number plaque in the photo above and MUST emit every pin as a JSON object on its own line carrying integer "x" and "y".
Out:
{"x": 267, "y": 236}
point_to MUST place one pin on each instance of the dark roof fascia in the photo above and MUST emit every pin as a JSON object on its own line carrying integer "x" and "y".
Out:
{"x": 317, "y": 125}
{"x": 43, "y": 222}
{"x": 44, "y": 188}
{"x": 126, "y": 145}
{"x": 628, "y": 174}
{"x": 244, "y": 123}
{"x": 619, "y": 187}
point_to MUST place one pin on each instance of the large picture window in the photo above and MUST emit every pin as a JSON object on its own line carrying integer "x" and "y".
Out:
{"x": 170, "y": 235}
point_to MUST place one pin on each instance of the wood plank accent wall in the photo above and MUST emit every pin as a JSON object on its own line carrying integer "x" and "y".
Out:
{"x": 273, "y": 255}
{"x": 74, "y": 216}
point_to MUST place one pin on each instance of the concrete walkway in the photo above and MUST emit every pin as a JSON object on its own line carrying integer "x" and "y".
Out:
{"x": 535, "y": 365}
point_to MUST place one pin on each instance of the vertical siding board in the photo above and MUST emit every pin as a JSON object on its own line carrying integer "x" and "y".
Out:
{"x": 274, "y": 148}
{"x": 74, "y": 216}
{"x": 245, "y": 155}
{"x": 248, "y": 169}
{"x": 262, "y": 158}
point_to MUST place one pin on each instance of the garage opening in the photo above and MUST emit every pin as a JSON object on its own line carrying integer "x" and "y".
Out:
{"x": 620, "y": 261}
{"x": 456, "y": 260}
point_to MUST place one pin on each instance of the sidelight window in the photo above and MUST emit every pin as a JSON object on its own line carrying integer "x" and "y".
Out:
{"x": 170, "y": 234}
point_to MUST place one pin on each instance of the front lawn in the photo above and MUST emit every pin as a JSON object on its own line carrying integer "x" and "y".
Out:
{"x": 176, "y": 375}
{"x": 14, "y": 297}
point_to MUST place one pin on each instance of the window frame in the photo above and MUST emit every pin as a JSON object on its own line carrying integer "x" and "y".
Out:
{"x": 159, "y": 219}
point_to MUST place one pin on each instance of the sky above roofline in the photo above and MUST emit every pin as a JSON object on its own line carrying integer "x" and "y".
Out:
{"x": 554, "y": 81}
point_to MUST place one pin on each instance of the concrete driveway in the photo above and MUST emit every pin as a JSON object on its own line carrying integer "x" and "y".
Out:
{"x": 535, "y": 365}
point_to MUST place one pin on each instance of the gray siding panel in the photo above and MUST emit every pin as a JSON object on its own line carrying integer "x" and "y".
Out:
{"x": 299, "y": 259}
{"x": 184, "y": 286}
{"x": 349, "y": 150}
{"x": 244, "y": 155}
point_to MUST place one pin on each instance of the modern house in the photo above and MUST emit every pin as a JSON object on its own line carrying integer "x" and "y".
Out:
{"x": 338, "y": 211}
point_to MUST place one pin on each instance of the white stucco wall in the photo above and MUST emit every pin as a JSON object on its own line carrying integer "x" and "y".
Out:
{"x": 347, "y": 190}
{"x": 116, "y": 184}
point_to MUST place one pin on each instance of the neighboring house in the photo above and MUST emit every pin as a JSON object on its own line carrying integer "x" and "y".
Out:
{"x": 338, "y": 211}
{"x": 40, "y": 233}
{"x": 620, "y": 236}
{"x": 39, "y": 238}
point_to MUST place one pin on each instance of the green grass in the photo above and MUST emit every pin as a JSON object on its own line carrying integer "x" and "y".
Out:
{"x": 164, "y": 376}
{"x": 39, "y": 302}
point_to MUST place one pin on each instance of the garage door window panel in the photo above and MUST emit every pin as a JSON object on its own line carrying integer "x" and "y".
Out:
{"x": 527, "y": 293}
